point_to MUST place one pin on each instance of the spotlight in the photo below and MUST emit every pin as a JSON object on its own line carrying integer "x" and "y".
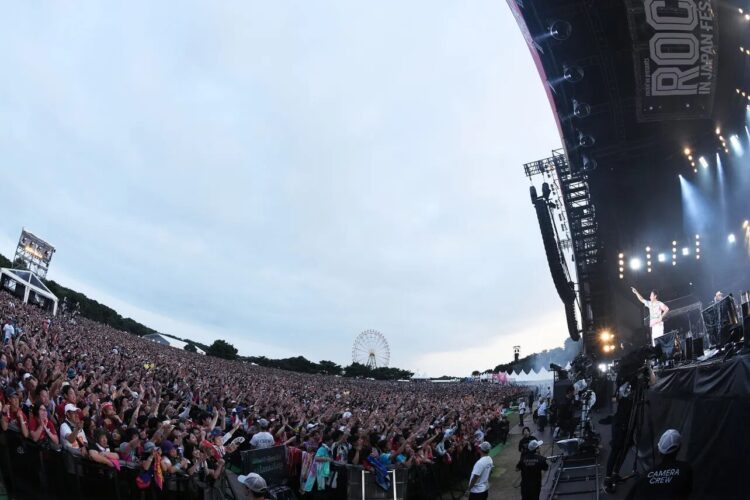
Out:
{"x": 718, "y": 130}
{"x": 621, "y": 255}
{"x": 674, "y": 262}
{"x": 662, "y": 257}
{"x": 674, "y": 243}
{"x": 698, "y": 250}
{"x": 589, "y": 163}
{"x": 581, "y": 109}
{"x": 746, "y": 224}
{"x": 560, "y": 30}
{"x": 585, "y": 140}
{"x": 731, "y": 238}
{"x": 635, "y": 263}
{"x": 747, "y": 17}
{"x": 621, "y": 276}
{"x": 690, "y": 157}
{"x": 605, "y": 335}
{"x": 698, "y": 257}
{"x": 703, "y": 162}
{"x": 685, "y": 251}
{"x": 687, "y": 151}
{"x": 573, "y": 74}
{"x": 697, "y": 236}
{"x": 648, "y": 249}
{"x": 734, "y": 140}
{"x": 602, "y": 367}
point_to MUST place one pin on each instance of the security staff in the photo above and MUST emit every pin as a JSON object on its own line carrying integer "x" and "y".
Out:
{"x": 671, "y": 479}
{"x": 531, "y": 466}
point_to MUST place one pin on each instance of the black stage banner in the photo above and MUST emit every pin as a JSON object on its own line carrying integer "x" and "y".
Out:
{"x": 709, "y": 404}
{"x": 675, "y": 52}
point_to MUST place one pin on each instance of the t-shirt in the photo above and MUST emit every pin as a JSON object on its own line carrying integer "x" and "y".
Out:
{"x": 655, "y": 309}
{"x": 531, "y": 466}
{"x": 34, "y": 424}
{"x": 542, "y": 410}
{"x": 482, "y": 468}
{"x": 671, "y": 480}
{"x": 262, "y": 440}
{"x": 65, "y": 431}
{"x": 8, "y": 331}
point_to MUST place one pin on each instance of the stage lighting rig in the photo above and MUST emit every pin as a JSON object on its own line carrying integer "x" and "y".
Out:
{"x": 585, "y": 140}
{"x": 34, "y": 252}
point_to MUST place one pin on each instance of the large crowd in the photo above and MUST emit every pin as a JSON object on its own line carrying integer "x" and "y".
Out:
{"x": 119, "y": 400}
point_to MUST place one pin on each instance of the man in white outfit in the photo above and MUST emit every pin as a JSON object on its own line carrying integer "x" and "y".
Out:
{"x": 656, "y": 312}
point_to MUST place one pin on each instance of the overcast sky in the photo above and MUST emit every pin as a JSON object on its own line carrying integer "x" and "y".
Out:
{"x": 285, "y": 175}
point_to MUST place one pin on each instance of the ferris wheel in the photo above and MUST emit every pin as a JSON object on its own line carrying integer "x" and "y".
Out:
{"x": 371, "y": 349}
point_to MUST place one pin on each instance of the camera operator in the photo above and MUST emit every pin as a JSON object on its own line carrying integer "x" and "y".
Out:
{"x": 622, "y": 423}
{"x": 671, "y": 479}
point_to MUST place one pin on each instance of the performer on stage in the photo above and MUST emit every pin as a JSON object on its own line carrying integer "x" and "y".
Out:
{"x": 657, "y": 310}
{"x": 718, "y": 297}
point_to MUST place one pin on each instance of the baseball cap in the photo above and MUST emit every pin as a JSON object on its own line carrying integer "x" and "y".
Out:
{"x": 254, "y": 482}
{"x": 263, "y": 423}
{"x": 669, "y": 442}
{"x": 149, "y": 447}
{"x": 167, "y": 446}
{"x": 485, "y": 446}
{"x": 70, "y": 407}
{"x": 533, "y": 445}
{"x": 10, "y": 392}
{"x": 347, "y": 414}
{"x": 27, "y": 376}
{"x": 71, "y": 373}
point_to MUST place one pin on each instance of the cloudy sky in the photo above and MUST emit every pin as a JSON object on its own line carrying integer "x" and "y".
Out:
{"x": 285, "y": 175}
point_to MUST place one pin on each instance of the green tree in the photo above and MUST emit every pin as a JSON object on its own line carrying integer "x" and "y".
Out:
{"x": 330, "y": 368}
{"x": 222, "y": 349}
{"x": 475, "y": 373}
{"x": 190, "y": 348}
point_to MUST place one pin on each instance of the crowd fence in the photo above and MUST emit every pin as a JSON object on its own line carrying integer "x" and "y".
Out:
{"x": 32, "y": 472}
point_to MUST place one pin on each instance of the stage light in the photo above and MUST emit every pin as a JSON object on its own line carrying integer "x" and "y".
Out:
{"x": 734, "y": 140}
{"x": 698, "y": 250}
{"x": 648, "y": 249}
{"x": 621, "y": 255}
{"x": 731, "y": 238}
{"x": 621, "y": 276}
{"x": 585, "y": 140}
{"x": 674, "y": 243}
{"x": 674, "y": 249}
{"x": 697, "y": 236}
{"x": 611, "y": 348}
{"x": 573, "y": 73}
{"x": 685, "y": 251}
{"x": 695, "y": 170}
{"x": 741, "y": 11}
{"x": 690, "y": 157}
{"x": 718, "y": 130}
{"x": 687, "y": 151}
{"x": 621, "y": 262}
{"x": 581, "y": 109}
{"x": 703, "y": 162}
{"x": 698, "y": 257}
{"x": 622, "y": 269}
{"x": 606, "y": 335}
{"x": 662, "y": 257}
{"x": 747, "y": 17}
{"x": 674, "y": 262}
{"x": 635, "y": 263}
{"x": 648, "y": 269}
{"x": 602, "y": 367}
{"x": 589, "y": 163}
{"x": 560, "y": 30}
{"x": 648, "y": 263}
{"x": 746, "y": 224}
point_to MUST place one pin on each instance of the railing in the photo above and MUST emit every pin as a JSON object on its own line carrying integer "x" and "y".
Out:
{"x": 31, "y": 472}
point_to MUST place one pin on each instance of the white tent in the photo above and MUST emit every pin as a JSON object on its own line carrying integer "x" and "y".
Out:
{"x": 28, "y": 287}
{"x": 543, "y": 375}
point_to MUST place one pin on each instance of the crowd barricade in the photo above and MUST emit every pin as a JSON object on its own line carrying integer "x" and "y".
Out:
{"x": 30, "y": 471}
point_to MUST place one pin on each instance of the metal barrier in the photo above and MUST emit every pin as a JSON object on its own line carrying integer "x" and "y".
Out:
{"x": 30, "y": 471}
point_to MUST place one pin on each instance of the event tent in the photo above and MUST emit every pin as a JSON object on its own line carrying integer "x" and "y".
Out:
{"x": 164, "y": 340}
{"x": 28, "y": 287}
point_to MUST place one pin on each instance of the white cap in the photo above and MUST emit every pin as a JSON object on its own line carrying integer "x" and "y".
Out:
{"x": 533, "y": 445}
{"x": 347, "y": 414}
{"x": 70, "y": 407}
{"x": 485, "y": 446}
{"x": 254, "y": 482}
{"x": 669, "y": 442}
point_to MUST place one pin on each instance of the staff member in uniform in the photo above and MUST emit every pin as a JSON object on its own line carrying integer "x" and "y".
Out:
{"x": 479, "y": 484}
{"x": 671, "y": 479}
{"x": 531, "y": 466}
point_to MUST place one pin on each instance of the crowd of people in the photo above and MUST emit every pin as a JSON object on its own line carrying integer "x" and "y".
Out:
{"x": 121, "y": 401}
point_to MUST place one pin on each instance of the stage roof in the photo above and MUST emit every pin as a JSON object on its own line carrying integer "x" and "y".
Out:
{"x": 655, "y": 78}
